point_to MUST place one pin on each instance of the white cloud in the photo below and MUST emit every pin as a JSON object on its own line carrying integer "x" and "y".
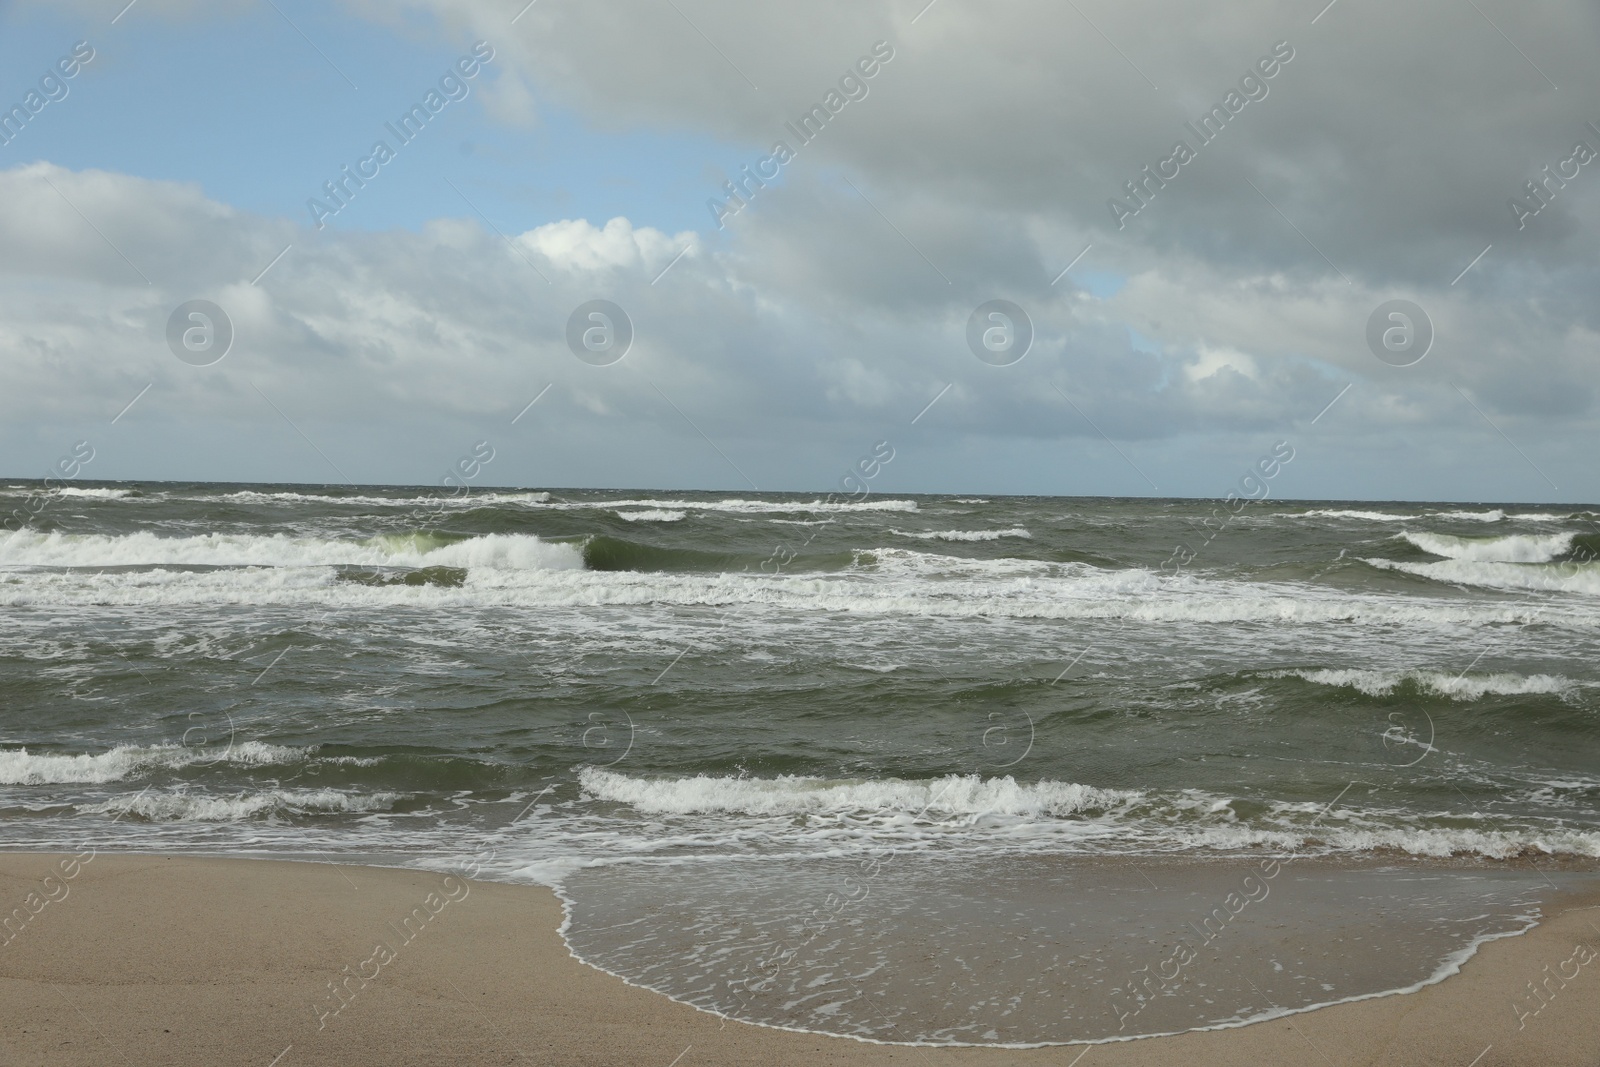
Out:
{"x": 1211, "y": 361}
{"x": 575, "y": 244}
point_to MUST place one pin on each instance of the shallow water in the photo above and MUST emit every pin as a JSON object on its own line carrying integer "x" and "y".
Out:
{"x": 1031, "y": 950}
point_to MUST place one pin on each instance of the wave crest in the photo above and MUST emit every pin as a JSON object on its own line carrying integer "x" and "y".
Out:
{"x": 1516, "y": 548}
{"x": 953, "y": 794}
{"x": 418, "y": 549}
{"x": 270, "y": 805}
{"x": 653, "y": 515}
{"x": 21, "y": 767}
{"x": 1544, "y": 577}
{"x": 963, "y": 535}
{"x": 1379, "y": 683}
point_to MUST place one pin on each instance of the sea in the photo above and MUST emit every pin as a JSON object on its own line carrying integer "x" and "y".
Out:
{"x": 922, "y": 769}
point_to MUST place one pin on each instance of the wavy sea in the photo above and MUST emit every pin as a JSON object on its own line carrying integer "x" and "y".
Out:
{"x": 929, "y": 769}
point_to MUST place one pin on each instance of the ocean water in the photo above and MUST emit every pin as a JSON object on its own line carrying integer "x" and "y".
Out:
{"x": 945, "y": 769}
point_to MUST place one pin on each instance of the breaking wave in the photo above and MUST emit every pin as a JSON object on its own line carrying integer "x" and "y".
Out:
{"x": 477, "y": 498}
{"x": 1347, "y": 513}
{"x": 738, "y": 505}
{"x": 21, "y": 767}
{"x": 795, "y": 794}
{"x": 1439, "y": 683}
{"x": 94, "y": 494}
{"x": 1004, "y": 815}
{"x": 28, "y": 548}
{"x": 653, "y": 515}
{"x": 1516, "y": 548}
{"x": 270, "y": 805}
{"x": 1534, "y": 577}
{"x": 963, "y": 535}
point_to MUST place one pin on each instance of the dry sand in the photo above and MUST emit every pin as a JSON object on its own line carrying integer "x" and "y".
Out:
{"x": 158, "y": 960}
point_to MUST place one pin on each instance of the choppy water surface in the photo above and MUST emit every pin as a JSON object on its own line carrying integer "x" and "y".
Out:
{"x": 748, "y": 711}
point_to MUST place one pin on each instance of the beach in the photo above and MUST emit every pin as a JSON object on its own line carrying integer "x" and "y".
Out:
{"x": 179, "y": 960}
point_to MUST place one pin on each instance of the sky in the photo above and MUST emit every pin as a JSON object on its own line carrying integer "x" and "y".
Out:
{"x": 1344, "y": 257}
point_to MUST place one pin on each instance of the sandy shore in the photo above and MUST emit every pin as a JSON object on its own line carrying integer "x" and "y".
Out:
{"x": 156, "y": 960}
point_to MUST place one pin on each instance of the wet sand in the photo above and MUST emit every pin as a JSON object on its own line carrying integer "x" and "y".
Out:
{"x": 150, "y": 959}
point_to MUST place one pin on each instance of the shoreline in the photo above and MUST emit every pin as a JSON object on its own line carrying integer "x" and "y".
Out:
{"x": 233, "y": 954}
{"x": 1447, "y": 965}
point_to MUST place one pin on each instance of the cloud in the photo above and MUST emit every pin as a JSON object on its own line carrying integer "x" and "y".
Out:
{"x": 456, "y": 322}
{"x": 1378, "y": 134}
{"x": 1376, "y": 163}
{"x": 577, "y": 245}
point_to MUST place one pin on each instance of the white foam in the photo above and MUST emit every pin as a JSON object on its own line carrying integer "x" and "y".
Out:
{"x": 482, "y": 497}
{"x": 1459, "y": 687}
{"x": 897, "y": 583}
{"x": 271, "y": 804}
{"x": 523, "y": 571}
{"x": 906, "y": 563}
{"x": 442, "y": 495}
{"x": 1368, "y": 516}
{"x": 833, "y": 817}
{"x": 21, "y": 767}
{"x": 514, "y": 552}
{"x": 653, "y": 515}
{"x": 796, "y": 794}
{"x": 94, "y": 494}
{"x": 30, "y": 548}
{"x": 1492, "y": 844}
{"x": 1547, "y": 577}
{"x": 1490, "y": 515}
{"x": 1516, "y": 548}
{"x": 964, "y": 535}
{"x": 739, "y": 505}
{"x": 1493, "y": 515}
